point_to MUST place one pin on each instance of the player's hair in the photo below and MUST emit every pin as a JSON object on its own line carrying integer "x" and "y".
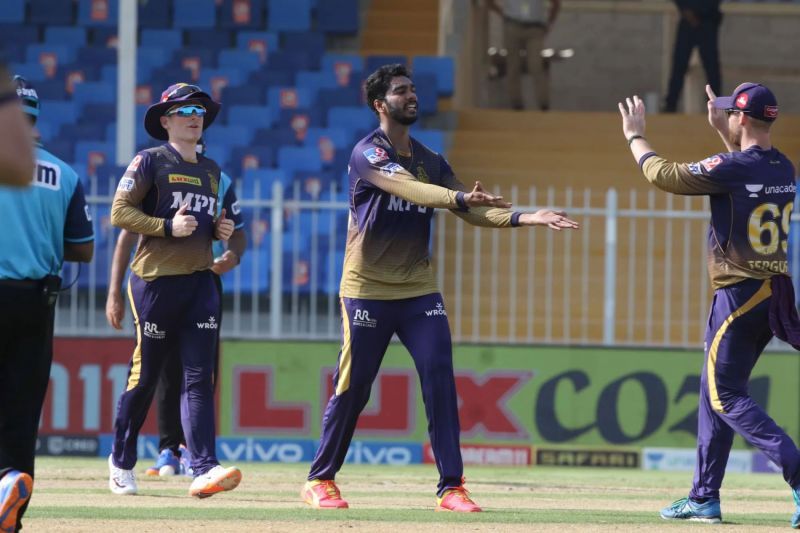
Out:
{"x": 378, "y": 82}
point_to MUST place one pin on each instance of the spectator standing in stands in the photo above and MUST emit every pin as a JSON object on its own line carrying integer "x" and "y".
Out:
{"x": 388, "y": 285}
{"x": 698, "y": 27}
{"x": 43, "y": 225}
{"x": 16, "y": 150}
{"x": 174, "y": 457}
{"x": 526, "y": 23}
{"x": 169, "y": 195}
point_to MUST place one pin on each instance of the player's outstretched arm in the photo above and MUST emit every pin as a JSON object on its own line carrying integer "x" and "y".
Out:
{"x": 556, "y": 220}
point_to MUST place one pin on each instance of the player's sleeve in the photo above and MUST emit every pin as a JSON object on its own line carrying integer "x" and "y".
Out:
{"x": 126, "y": 209}
{"x": 373, "y": 165}
{"x": 78, "y": 225}
{"x": 684, "y": 178}
{"x": 488, "y": 217}
{"x": 231, "y": 205}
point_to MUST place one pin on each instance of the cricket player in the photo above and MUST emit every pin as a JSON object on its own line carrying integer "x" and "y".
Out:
{"x": 174, "y": 457}
{"x": 388, "y": 285}
{"x": 169, "y": 195}
{"x": 751, "y": 187}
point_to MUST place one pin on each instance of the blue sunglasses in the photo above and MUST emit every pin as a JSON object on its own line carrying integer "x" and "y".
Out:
{"x": 188, "y": 111}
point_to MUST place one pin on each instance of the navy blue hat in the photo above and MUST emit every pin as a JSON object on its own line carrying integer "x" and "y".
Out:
{"x": 27, "y": 94}
{"x": 751, "y": 98}
{"x": 180, "y": 93}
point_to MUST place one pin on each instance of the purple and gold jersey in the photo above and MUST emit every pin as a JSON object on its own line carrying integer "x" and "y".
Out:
{"x": 158, "y": 181}
{"x": 752, "y": 195}
{"x": 391, "y": 205}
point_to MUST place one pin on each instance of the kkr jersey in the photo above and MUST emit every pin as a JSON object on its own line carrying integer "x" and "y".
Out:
{"x": 752, "y": 195}
{"x": 157, "y": 182}
{"x": 391, "y": 205}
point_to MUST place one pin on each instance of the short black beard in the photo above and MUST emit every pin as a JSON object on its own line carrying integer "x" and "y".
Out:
{"x": 398, "y": 116}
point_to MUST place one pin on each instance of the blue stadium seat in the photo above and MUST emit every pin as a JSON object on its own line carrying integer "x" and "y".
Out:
{"x": 67, "y": 35}
{"x": 296, "y": 158}
{"x": 50, "y": 12}
{"x": 194, "y": 14}
{"x": 253, "y": 273}
{"x": 254, "y": 116}
{"x": 154, "y": 13}
{"x": 314, "y": 81}
{"x": 62, "y": 148}
{"x": 289, "y": 16}
{"x": 244, "y": 60}
{"x": 166, "y": 39}
{"x": 300, "y": 119}
{"x": 345, "y": 70}
{"x": 219, "y": 153}
{"x": 274, "y": 137}
{"x": 12, "y": 35}
{"x": 287, "y": 98}
{"x": 85, "y": 131}
{"x": 93, "y": 13}
{"x": 52, "y": 89}
{"x": 235, "y": 135}
{"x": 433, "y": 139}
{"x": 30, "y": 71}
{"x": 441, "y": 67}
{"x": 47, "y": 131}
{"x": 104, "y": 36}
{"x": 152, "y": 57}
{"x": 339, "y": 97}
{"x": 337, "y": 16}
{"x": 241, "y": 14}
{"x": 308, "y": 42}
{"x": 292, "y": 60}
{"x": 208, "y": 38}
{"x": 97, "y": 55}
{"x": 247, "y": 95}
{"x": 257, "y": 41}
{"x": 339, "y": 137}
{"x": 13, "y": 12}
{"x": 213, "y": 80}
{"x": 57, "y": 112}
{"x": 45, "y": 53}
{"x": 272, "y": 77}
{"x": 352, "y": 118}
{"x": 94, "y": 92}
{"x": 247, "y": 157}
{"x": 207, "y": 58}
{"x": 330, "y": 282}
{"x": 375, "y": 62}
{"x": 93, "y": 152}
{"x": 426, "y": 93}
{"x": 106, "y": 179}
{"x": 257, "y": 183}
{"x": 315, "y": 186}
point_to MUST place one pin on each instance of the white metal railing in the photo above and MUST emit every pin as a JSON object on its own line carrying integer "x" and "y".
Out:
{"x": 647, "y": 249}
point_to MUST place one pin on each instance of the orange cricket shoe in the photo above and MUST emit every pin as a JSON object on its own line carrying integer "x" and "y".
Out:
{"x": 323, "y": 494}
{"x": 457, "y": 500}
{"x": 15, "y": 489}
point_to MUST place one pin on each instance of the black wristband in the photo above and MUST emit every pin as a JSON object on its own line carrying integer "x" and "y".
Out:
{"x": 167, "y": 227}
{"x": 515, "y": 218}
{"x": 461, "y": 202}
{"x": 634, "y": 137}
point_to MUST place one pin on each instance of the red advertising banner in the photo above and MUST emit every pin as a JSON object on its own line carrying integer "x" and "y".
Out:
{"x": 86, "y": 380}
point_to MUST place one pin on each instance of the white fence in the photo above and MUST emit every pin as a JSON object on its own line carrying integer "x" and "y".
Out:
{"x": 635, "y": 274}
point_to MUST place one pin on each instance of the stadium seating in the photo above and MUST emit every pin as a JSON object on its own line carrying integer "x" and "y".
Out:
{"x": 194, "y": 13}
{"x": 13, "y": 12}
{"x": 94, "y": 13}
{"x": 50, "y": 12}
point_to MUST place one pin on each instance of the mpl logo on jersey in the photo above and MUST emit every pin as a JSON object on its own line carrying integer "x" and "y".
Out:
{"x": 151, "y": 330}
{"x": 211, "y": 323}
{"x": 439, "y": 310}
{"x": 376, "y": 154}
{"x": 384, "y": 453}
{"x": 196, "y": 202}
{"x": 361, "y": 318}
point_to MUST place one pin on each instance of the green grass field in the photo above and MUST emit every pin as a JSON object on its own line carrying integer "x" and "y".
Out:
{"x": 72, "y": 495}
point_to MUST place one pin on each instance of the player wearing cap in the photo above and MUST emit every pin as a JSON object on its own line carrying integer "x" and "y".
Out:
{"x": 174, "y": 457}
{"x": 751, "y": 189}
{"x": 388, "y": 285}
{"x": 169, "y": 195}
{"x": 43, "y": 225}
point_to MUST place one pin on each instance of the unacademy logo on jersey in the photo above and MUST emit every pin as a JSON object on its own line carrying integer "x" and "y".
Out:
{"x": 361, "y": 318}
{"x": 438, "y": 311}
{"x": 151, "y": 330}
{"x": 753, "y": 189}
{"x": 210, "y": 324}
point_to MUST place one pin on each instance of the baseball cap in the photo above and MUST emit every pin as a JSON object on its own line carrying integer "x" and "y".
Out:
{"x": 751, "y": 98}
{"x": 28, "y": 96}
{"x": 179, "y": 93}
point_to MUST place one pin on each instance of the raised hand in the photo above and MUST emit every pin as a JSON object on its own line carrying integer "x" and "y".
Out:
{"x": 633, "y": 113}
{"x": 716, "y": 117}
{"x": 479, "y": 197}
{"x": 183, "y": 225}
{"x": 223, "y": 227}
{"x": 556, "y": 220}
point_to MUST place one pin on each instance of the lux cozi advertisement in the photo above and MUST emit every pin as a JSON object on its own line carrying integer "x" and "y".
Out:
{"x": 516, "y": 404}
